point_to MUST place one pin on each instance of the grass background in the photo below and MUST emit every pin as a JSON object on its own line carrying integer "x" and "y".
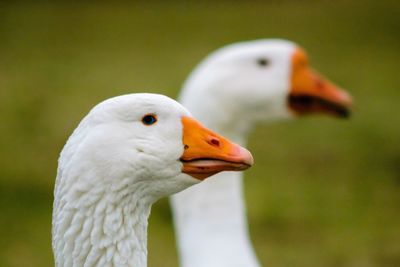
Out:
{"x": 324, "y": 192}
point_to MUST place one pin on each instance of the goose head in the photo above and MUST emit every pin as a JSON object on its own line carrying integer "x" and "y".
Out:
{"x": 125, "y": 154}
{"x": 149, "y": 139}
{"x": 258, "y": 81}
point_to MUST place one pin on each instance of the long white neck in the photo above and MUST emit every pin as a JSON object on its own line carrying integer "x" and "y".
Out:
{"x": 210, "y": 218}
{"x": 104, "y": 226}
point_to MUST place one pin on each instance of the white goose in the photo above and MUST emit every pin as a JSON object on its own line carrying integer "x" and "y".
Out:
{"x": 125, "y": 154}
{"x": 230, "y": 91}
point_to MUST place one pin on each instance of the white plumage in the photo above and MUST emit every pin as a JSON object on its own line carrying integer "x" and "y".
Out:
{"x": 125, "y": 154}
{"x": 230, "y": 91}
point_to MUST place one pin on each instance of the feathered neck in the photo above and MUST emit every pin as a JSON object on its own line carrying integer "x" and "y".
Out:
{"x": 210, "y": 218}
{"x": 101, "y": 225}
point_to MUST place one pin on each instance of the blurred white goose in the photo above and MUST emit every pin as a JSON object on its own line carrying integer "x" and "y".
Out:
{"x": 125, "y": 154}
{"x": 230, "y": 91}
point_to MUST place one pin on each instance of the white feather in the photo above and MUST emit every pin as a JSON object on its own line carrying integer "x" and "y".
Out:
{"x": 111, "y": 170}
{"x": 229, "y": 92}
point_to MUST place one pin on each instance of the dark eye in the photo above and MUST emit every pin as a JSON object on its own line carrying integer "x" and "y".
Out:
{"x": 149, "y": 119}
{"x": 263, "y": 62}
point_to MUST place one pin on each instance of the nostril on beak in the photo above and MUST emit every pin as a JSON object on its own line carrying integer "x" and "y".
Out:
{"x": 319, "y": 84}
{"x": 214, "y": 142}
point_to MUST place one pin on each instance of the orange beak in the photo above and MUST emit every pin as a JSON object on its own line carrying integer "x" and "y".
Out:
{"x": 311, "y": 93}
{"x": 207, "y": 153}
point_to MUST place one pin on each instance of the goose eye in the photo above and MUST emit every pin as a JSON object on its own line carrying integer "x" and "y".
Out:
{"x": 149, "y": 119}
{"x": 263, "y": 62}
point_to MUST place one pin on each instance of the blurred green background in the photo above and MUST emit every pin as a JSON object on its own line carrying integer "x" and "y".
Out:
{"x": 324, "y": 192}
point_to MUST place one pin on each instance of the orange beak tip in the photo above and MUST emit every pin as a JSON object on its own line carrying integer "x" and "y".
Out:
{"x": 347, "y": 99}
{"x": 246, "y": 156}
